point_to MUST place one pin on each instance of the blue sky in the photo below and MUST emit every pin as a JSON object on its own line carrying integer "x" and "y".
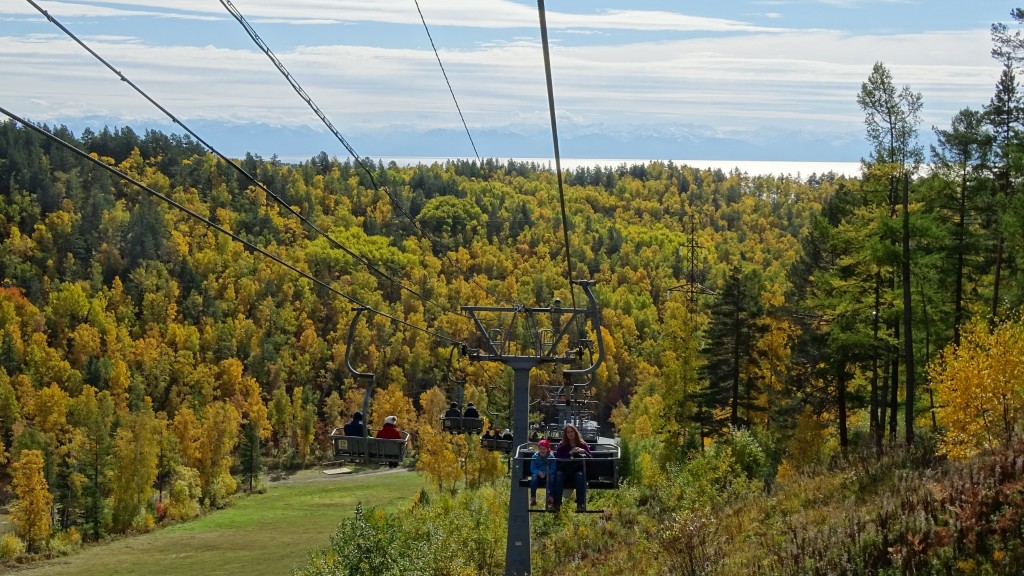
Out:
{"x": 688, "y": 76}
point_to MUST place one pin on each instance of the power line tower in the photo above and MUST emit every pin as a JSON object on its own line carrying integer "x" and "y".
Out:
{"x": 692, "y": 287}
{"x": 545, "y": 333}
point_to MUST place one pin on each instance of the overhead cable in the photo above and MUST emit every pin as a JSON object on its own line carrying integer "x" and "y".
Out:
{"x": 213, "y": 225}
{"x": 323, "y": 118}
{"x": 554, "y": 138}
{"x": 438, "y": 56}
{"x": 380, "y": 273}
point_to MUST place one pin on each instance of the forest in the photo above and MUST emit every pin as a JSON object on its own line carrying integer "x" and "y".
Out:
{"x": 808, "y": 374}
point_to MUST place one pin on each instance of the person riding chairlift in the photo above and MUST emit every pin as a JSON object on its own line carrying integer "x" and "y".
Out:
{"x": 390, "y": 429}
{"x": 355, "y": 427}
{"x": 542, "y": 469}
{"x": 571, "y": 447}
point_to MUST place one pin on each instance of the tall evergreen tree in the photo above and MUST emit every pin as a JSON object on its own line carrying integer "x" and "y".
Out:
{"x": 961, "y": 157}
{"x": 891, "y": 117}
{"x": 249, "y": 456}
{"x": 729, "y": 351}
{"x": 1005, "y": 114}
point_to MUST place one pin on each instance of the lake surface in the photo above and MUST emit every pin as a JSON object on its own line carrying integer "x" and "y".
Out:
{"x": 751, "y": 167}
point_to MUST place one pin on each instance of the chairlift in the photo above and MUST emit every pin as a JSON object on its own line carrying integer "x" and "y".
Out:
{"x": 496, "y": 444}
{"x": 601, "y": 470}
{"x": 368, "y": 449}
{"x": 459, "y": 424}
{"x": 365, "y": 449}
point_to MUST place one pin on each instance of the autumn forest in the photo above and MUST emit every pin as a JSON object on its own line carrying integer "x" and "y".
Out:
{"x": 771, "y": 341}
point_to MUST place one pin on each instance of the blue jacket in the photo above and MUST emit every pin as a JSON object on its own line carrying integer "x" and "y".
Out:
{"x": 542, "y": 464}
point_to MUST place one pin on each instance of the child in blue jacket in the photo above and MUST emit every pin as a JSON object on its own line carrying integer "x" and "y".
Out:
{"x": 542, "y": 469}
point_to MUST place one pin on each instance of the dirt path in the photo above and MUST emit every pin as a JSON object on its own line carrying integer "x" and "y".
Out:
{"x": 319, "y": 475}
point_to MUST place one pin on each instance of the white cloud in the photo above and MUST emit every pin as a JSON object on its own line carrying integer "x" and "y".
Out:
{"x": 462, "y": 13}
{"x": 799, "y": 78}
{"x": 93, "y": 10}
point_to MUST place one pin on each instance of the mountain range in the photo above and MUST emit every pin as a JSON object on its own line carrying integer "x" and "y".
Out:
{"x": 639, "y": 142}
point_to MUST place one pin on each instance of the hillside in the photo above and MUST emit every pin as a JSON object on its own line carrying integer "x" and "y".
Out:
{"x": 762, "y": 334}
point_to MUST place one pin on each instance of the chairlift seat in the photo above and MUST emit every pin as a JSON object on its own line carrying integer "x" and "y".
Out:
{"x": 601, "y": 469}
{"x": 461, "y": 425}
{"x": 373, "y": 450}
{"x": 496, "y": 444}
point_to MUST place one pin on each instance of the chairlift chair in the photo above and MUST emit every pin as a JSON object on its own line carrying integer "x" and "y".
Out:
{"x": 459, "y": 424}
{"x": 365, "y": 449}
{"x": 601, "y": 470}
{"x": 368, "y": 449}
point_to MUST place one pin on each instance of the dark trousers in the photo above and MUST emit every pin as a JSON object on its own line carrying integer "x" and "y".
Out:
{"x": 535, "y": 482}
{"x": 575, "y": 475}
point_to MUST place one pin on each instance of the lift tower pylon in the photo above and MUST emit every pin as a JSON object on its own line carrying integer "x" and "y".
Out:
{"x": 544, "y": 347}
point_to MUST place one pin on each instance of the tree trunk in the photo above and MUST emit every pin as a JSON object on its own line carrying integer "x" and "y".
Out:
{"x": 894, "y": 390}
{"x": 737, "y": 335}
{"x": 908, "y": 320}
{"x": 961, "y": 240}
{"x": 844, "y": 440}
{"x": 876, "y": 427}
{"x": 995, "y": 282}
{"x": 883, "y": 404}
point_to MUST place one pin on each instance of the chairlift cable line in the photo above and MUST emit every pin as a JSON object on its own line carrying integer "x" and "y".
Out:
{"x": 217, "y": 227}
{"x": 554, "y": 139}
{"x": 447, "y": 81}
{"x": 380, "y": 273}
{"x": 323, "y": 118}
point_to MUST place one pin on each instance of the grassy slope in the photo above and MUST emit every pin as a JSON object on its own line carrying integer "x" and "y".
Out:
{"x": 260, "y": 535}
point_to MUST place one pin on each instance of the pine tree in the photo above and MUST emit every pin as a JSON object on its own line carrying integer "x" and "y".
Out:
{"x": 729, "y": 348}
{"x": 249, "y": 456}
{"x": 961, "y": 158}
{"x": 891, "y": 117}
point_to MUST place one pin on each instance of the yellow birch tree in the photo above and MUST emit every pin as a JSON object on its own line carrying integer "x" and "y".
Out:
{"x": 980, "y": 388}
{"x": 31, "y": 515}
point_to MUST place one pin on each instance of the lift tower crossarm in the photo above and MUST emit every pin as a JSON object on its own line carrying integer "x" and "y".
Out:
{"x": 497, "y": 350}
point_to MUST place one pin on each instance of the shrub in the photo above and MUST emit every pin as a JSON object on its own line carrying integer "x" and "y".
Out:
{"x": 66, "y": 543}
{"x": 11, "y": 546}
{"x": 184, "y": 494}
{"x": 370, "y": 543}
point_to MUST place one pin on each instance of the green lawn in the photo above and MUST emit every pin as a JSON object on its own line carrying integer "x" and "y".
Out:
{"x": 264, "y": 534}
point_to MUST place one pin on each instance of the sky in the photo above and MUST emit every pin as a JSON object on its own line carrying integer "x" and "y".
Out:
{"x": 761, "y": 79}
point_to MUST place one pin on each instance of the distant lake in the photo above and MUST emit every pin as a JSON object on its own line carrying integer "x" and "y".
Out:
{"x": 751, "y": 167}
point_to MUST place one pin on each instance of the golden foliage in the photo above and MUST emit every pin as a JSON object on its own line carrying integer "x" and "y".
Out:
{"x": 136, "y": 453}
{"x": 392, "y": 402}
{"x": 219, "y": 436}
{"x": 434, "y": 405}
{"x": 50, "y": 412}
{"x": 31, "y": 514}
{"x": 120, "y": 378}
{"x": 980, "y": 388}
{"x": 437, "y": 459}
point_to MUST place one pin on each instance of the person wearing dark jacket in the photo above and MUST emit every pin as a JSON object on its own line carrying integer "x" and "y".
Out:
{"x": 453, "y": 411}
{"x": 390, "y": 429}
{"x": 471, "y": 411}
{"x": 355, "y": 427}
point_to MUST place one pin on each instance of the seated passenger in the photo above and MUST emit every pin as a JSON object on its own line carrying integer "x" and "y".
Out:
{"x": 355, "y": 427}
{"x": 453, "y": 411}
{"x": 471, "y": 411}
{"x": 572, "y": 446}
{"x": 542, "y": 469}
{"x": 390, "y": 429}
